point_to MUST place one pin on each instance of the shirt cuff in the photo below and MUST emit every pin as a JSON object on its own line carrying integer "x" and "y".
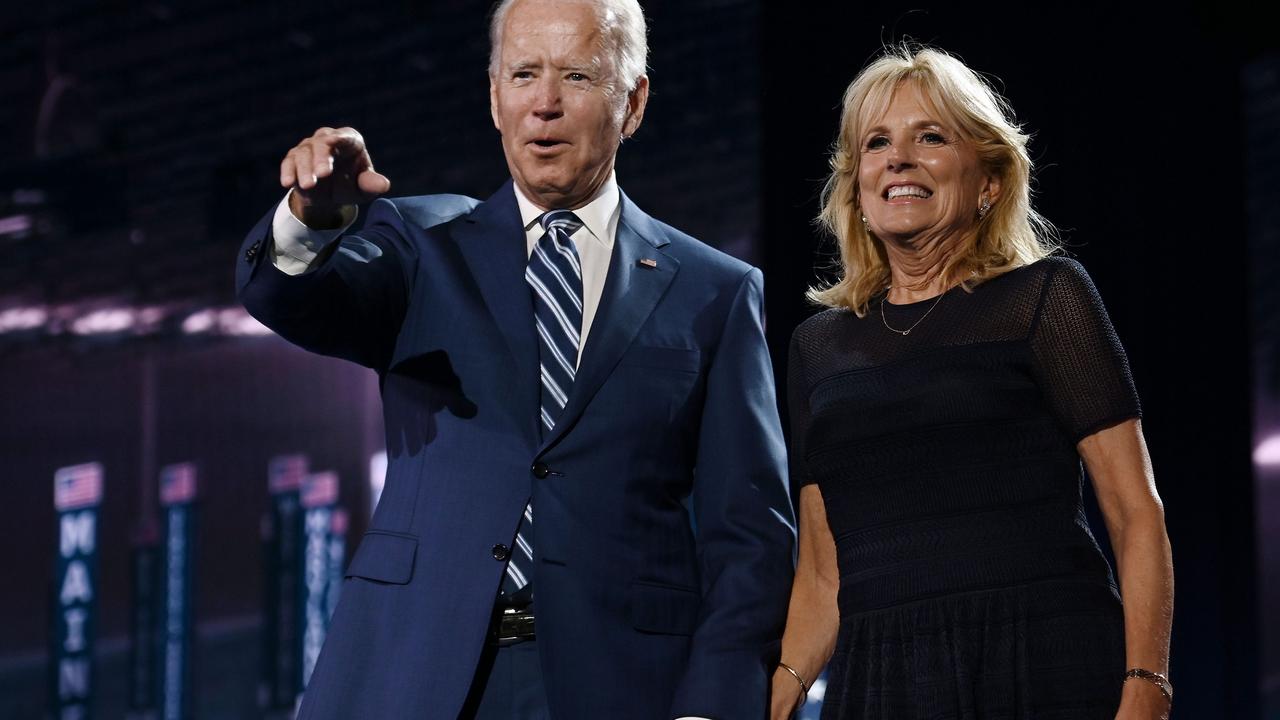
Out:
{"x": 297, "y": 245}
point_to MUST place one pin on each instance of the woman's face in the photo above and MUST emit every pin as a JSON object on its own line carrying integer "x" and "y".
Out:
{"x": 917, "y": 177}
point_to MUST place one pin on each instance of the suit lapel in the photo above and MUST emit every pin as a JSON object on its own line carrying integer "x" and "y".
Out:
{"x": 492, "y": 242}
{"x": 639, "y": 274}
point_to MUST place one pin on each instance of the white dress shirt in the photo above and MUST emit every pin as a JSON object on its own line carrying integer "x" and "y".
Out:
{"x": 594, "y": 241}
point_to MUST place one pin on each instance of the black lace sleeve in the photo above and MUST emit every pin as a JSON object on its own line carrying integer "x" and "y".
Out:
{"x": 1080, "y": 364}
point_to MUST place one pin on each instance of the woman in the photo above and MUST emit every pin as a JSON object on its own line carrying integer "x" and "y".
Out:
{"x": 940, "y": 411}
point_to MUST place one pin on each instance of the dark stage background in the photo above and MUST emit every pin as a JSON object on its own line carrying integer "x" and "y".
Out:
{"x": 142, "y": 140}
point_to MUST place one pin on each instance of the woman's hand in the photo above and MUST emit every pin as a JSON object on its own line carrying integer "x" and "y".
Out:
{"x": 812, "y": 618}
{"x": 1142, "y": 700}
{"x": 785, "y": 696}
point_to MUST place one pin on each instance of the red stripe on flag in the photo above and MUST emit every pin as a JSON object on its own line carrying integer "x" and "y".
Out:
{"x": 286, "y": 472}
{"x": 320, "y": 489}
{"x": 177, "y": 483}
{"x": 77, "y": 486}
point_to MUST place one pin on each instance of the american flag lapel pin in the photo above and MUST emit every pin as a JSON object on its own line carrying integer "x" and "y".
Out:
{"x": 649, "y": 262}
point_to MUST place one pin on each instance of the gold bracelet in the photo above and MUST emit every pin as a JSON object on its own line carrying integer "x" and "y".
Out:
{"x": 1154, "y": 678}
{"x": 804, "y": 687}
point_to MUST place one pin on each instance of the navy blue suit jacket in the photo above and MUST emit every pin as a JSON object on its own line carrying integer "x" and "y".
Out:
{"x": 642, "y": 610}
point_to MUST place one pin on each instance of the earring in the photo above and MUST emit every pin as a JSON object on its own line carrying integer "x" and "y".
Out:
{"x": 986, "y": 207}
{"x": 866, "y": 225}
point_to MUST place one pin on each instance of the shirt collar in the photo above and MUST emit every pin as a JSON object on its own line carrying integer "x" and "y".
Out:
{"x": 596, "y": 215}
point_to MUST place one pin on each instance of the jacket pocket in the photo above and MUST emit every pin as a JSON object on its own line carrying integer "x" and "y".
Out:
{"x": 664, "y": 358}
{"x": 384, "y": 557}
{"x": 663, "y": 609}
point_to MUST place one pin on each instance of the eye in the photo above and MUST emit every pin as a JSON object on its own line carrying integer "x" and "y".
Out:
{"x": 522, "y": 75}
{"x": 879, "y": 142}
{"x": 576, "y": 77}
{"x": 932, "y": 138}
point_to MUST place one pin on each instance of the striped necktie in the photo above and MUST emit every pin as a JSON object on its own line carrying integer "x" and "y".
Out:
{"x": 554, "y": 275}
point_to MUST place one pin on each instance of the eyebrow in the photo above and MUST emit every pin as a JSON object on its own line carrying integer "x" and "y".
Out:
{"x": 918, "y": 125}
{"x": 592, "y": 67}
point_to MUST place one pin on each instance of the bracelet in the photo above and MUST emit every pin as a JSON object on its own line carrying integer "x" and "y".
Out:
{"x": 1155, "y": 678}
{"x": 804, "y": 687}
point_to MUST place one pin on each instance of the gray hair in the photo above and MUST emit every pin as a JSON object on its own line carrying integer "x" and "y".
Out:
{"x": 625, "y": 37}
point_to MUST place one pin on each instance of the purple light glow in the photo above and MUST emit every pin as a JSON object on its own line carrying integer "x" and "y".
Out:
{"x": 105, "y": 321}
{"x": 23, "y": 318}
{"x": 1267, "y": 453}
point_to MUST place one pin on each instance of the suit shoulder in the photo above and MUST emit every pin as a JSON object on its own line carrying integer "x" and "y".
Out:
{"x": 427, "y": 211}
{"x": 694, "y": 253}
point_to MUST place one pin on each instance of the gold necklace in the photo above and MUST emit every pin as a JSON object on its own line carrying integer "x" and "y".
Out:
{"x": 906, "y": 332}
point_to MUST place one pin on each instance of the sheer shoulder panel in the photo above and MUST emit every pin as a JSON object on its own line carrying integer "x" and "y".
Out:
{"x": 1080, "y": 363}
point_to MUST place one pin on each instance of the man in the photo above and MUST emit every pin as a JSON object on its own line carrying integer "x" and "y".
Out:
{"x": 585, "y": 513}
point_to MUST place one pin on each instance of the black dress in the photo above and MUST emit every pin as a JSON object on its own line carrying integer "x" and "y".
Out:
{"x": 970, "y": 584}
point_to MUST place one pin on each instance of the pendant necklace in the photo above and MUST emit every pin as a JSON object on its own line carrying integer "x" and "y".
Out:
{"x": 906, "y": 332}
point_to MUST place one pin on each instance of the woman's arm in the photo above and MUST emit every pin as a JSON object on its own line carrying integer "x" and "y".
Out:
{"x": 1117, "y": 460}
{"x": 812, "y": 617}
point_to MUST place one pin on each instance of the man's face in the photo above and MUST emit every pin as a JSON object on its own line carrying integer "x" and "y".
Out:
{"x": 558, "y": 102}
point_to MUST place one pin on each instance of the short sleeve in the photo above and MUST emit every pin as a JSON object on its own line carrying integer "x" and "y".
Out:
{"x": 1079, "y": 362}
{"x": 798, "y": 389}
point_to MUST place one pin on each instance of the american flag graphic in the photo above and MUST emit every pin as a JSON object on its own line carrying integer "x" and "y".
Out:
{"x": 320, "y": 489}
{"x": 177, "y": 484}
{"x": 286, "y": 472}
{"x": 77, "y": 486}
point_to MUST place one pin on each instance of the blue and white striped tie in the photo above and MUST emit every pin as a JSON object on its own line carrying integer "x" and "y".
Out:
{"x": 555, "y": 276}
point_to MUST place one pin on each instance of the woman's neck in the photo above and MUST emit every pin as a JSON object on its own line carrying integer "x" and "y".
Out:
{"x": 916, "y": 268}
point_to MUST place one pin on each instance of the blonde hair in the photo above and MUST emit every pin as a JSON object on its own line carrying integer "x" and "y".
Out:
{"x": 1012, "y": 233}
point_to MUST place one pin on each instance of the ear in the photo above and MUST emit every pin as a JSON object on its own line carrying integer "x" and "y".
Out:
{"x": 493, "y": 104}
{"x": 636, "y": 101}
{"x": 991, "y": 188}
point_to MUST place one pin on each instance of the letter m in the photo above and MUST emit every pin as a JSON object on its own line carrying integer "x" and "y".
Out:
{"x": 77, "y": 532}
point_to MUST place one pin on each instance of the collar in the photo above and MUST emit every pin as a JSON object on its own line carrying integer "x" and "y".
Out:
{"x": 597, "y": 216}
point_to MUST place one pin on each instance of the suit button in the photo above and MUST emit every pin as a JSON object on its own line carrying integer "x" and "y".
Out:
{"x": 540, "y": 470}
{"x": 501, "y": 552}
{"x": 252, "y": 251}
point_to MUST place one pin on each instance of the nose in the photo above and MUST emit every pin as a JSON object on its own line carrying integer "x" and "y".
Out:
{"x": 546, "y": 101}
{"x": 901, "y": 156}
